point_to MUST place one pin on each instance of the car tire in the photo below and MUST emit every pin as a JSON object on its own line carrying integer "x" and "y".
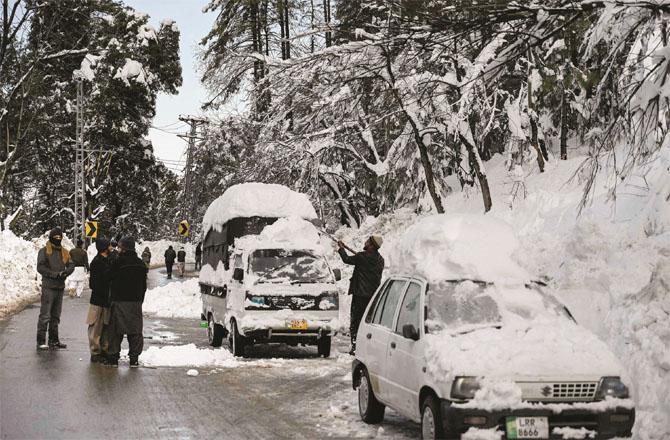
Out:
{"x": 370, "y": 409}
{"x": 431, "y": 419}
{"x": 236, "y": 342}
{"x": 323, "y": 346}
{"x": 214, "y": 332}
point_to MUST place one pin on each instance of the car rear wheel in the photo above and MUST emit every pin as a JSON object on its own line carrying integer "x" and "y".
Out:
{"x": 236, "y": 341}
{"x": 323, "y": 346}
{"x": 370, "y": 409}
{"x": 431, "y": 419}
{"x": 214, "y": 332}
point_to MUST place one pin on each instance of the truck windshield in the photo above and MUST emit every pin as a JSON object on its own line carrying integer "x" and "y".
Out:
{"x": 282, "y": 265}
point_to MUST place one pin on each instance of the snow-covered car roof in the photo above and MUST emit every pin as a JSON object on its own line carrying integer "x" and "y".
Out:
{"x": 256, "y": 200}
{"x": 453, "y": 247}
{"x": 286, "y": 233}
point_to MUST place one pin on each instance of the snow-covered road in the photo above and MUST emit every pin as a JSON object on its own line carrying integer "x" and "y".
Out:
{"x": 279, "y": 392}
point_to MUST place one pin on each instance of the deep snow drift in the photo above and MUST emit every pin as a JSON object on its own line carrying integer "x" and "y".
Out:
{"x": 179, "y": 299}
{"x": 18, "y": 259}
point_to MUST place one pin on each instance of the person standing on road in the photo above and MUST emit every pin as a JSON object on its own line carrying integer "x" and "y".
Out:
{"x": 98, "y": 310}
{"x": 146, "y": 256}
{"x": 114, "y": 253}
{"x": 55, "y": 265}
{"x": 198, "y": 256}
{"x": 170, "y": 256}
{"x": 181, "y": 262}
{"x": 128, "y": 286}
{"x": 368, "y": 268}
{"x": 78, "y": 279}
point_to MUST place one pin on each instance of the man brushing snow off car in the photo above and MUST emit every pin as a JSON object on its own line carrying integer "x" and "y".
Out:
{"x": 460, "y": 339}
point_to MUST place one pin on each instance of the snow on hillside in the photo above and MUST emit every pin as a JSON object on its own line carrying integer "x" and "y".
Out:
{"x": 611, "y": 265}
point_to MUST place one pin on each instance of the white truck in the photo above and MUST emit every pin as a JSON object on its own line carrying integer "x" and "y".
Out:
{"x": 264, "y": 278}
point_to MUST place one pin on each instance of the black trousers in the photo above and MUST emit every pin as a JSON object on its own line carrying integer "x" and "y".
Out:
{"x": 358, "y": 305}
{"x": 168, "y": 267}
{"x": 50, "y": 310}
{"x": 135, "y": 345}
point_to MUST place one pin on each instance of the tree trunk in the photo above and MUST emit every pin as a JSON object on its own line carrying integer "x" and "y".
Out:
{"x": 564, "y": 128}
{"x": 326, "y": 19}
{"x": 347, "y": 216}
{"x": 534, "y": 142}
{"x": 474, "y": 160}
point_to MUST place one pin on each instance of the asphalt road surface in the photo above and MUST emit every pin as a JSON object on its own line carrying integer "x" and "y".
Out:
{"x": 280, "y": 392}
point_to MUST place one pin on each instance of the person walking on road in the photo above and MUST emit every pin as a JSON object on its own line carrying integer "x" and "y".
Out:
{"x": 77, "y": 281}
{"x": 198, "y": 256}
{"x": 368, "y": 267}
{"x": 128, "y": 286}
{"x": 170, "y": 256}
{"x": 146, "y": 256}
{"x": 98, "y": 310}
{"x": 55, "y": 265}
{"x": 181, "y": 262}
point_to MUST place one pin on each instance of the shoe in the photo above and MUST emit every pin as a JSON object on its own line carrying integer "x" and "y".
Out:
{"x": 57, "y": 345}
{"x": 42, "y": 347}
{"x": 112, "y": 363}
{"x": 97, "y": 359}
{"x": 134, "y": 363}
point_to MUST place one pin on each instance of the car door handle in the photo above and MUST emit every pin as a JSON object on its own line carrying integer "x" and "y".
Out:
{"x": 369, "y": 336}
{"x": 392, "y": 344}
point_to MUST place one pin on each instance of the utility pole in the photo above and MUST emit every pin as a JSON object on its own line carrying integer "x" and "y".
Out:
{"x": 79, "y": 169}
{"x": 188, "y": 199}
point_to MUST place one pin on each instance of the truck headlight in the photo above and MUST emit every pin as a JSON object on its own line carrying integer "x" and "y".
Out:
{"x": 464, "y": 388}
{"x": 612, "y": 387}
{"x": 329, "y": 301}
{"x": 255, "y": 301}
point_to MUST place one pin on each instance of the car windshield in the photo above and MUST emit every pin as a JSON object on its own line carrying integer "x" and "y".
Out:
{"x": 282, "y": 265}
{"x": 463, "y": 306}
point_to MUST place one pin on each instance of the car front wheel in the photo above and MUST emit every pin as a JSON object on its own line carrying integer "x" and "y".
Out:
{"x": 214, "y": 332}
{"x": 431, "y": 419}
{"x": 236, "y": 341}
{"x": 323, "y": 346}
{"x": 370, "y": 409}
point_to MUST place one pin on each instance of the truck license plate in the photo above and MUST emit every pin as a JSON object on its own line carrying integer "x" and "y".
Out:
{"x": 527, "y": 427}
{"x": 297, "y": 324}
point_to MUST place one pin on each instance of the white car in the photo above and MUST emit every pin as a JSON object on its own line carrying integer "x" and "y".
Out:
{"x": 460, "y": 354}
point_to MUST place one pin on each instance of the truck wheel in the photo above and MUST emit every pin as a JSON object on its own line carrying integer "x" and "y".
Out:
{"x": 236, "y": 341}
{"x": 214, "y": 332}
{"x": 370, "y": 409}
{"x": 431, "y": 419}
{"x": 323, "y": 346}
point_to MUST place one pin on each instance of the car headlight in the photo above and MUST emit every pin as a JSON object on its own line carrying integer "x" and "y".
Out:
{"x": 464, "y": 388}
{"x": 612, "y": 387}
{"x": 329, "y": 301}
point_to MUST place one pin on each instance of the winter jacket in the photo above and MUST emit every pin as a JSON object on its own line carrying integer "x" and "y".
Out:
{"x": 100, "y": 280}
{"x": 181, "y": 256}
{"x": 198, "y": 250}
{"x": 170, "y": 256}
{"x": 146, "y": 257}
{"x": 51, "y": 261}
{"x": 79, "y": 258}
{"x": 128, "y": 278}
{"x": 367, "y": 272}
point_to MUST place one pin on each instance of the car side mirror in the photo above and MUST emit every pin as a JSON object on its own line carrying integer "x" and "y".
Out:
{"x": 410, "y": 332}
{"x": 238, "y": 274}
{"x": 338, "y": 274}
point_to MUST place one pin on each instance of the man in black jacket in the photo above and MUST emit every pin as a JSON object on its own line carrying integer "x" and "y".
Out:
{"x": 181, "y": 262}
{"x": 368, "y": 268}
{"x": 129, "y": 284}
{"x": 98, "y": 310}
{"x": 170, "y": 256}
{"x": 55, "y": 265}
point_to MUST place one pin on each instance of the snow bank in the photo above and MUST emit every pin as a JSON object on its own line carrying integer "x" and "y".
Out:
{"x": 448, "y": 247}
{"x": 18, "y": 260}
{"x": 187, "y": 356}
{"x": 257, "y": 199}
{"x": 174, "y": 300}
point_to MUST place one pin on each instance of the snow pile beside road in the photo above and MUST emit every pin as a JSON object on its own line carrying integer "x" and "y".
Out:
{"x": 256, "y": 200}
{"x": 451, "y": 247}
{"x": 18, "y": 261}
{"x": 174, "y": 300}
{"x": 187, "y": 356}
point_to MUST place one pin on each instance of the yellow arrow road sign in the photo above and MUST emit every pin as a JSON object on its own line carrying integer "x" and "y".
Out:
{"x": 183, "y": 228}
{"x": 92, "y": 229}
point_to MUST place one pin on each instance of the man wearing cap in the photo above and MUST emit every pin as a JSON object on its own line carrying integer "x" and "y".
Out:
{"x": 79, "y": 258}
{"x": 55, "y": 265}
{"x": 368, "y": 267}
{"x": 98, "y": 310}
{"x": 128, "y": 285}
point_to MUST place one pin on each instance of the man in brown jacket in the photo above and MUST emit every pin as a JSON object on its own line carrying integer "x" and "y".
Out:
{"x": 55, "y": 265}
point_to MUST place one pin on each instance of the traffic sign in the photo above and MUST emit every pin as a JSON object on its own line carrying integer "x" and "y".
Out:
{"x": 183, "y": 228}
{"x": 91, "y": 229}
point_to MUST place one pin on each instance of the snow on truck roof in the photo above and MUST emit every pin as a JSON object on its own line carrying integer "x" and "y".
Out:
{"x": 443, "y": 247}
{"x": 286, "y": 233}
{"x": 256, "y": 200}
